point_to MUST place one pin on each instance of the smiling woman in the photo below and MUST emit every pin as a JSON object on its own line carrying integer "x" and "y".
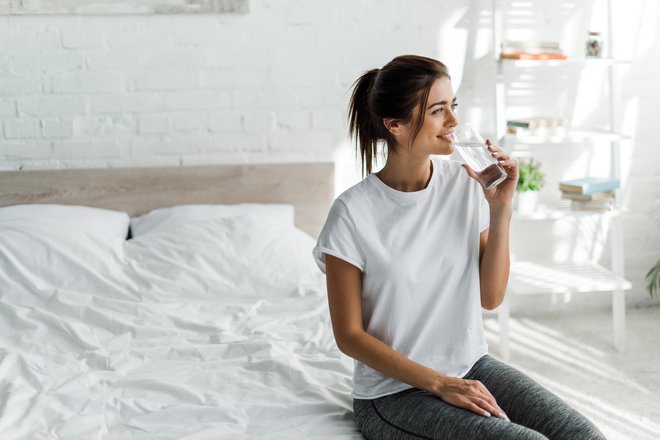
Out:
{"x": 411, "y": 255}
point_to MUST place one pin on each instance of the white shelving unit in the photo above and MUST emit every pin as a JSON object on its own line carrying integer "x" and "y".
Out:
{"x": 571, "y": 136}
{"x": 547, "y": 277}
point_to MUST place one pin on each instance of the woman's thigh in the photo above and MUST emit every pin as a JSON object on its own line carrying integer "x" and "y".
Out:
{"x": 417, "y": 414}
{"x": 529, "y": 404}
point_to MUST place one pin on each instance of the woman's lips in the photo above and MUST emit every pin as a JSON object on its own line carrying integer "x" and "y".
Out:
{"x": 448, "y": 137}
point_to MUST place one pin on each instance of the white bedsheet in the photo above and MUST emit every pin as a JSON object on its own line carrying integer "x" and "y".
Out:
{"x": 148, "y": 345}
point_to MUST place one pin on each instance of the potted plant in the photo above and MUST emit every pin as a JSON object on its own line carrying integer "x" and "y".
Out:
{"x": 653, "y": 279}
{"x": 530, "y": 182}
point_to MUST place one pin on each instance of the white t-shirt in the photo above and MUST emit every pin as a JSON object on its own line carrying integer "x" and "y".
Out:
{"x": 419, "y": 256}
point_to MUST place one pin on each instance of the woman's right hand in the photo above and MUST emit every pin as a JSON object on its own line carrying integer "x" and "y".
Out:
{"x": 469, "y": 394}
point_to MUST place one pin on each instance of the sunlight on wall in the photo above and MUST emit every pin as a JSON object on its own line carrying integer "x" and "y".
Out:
{"x": 592, "y": 98}
{"x": 483, "y": 46}
{"x": 644, "y": 38}
{"x": 636, "y": 45}
{"x": 452, "y": 46}
{"x": 593, "y": 160}
{"x": 348, "y": 167}
{"x": 628, "y": 127}
{"x": 464, "y": 36}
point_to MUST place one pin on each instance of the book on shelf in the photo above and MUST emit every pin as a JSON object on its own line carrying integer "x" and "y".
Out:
{"x": 589, "y": 185}
{"x": 537, "y": 122}
{"x": 531, "y": 50}
{"x": 537, "y": 126}
{"x": 597, "y": 196}
{"x": 594, "y": 205}
{"x": 517, "y": 55}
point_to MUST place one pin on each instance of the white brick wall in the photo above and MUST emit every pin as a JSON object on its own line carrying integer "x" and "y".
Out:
{"x": 270, "y": 81}
{"x": 22, "y": 128}
{"x": 7, "y": 107}
{"x": 56, "y": 128}
{"x": 273, "y": 86}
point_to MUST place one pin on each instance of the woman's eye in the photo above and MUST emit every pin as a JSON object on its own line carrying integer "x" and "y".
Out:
{"x": 440, "y": 109}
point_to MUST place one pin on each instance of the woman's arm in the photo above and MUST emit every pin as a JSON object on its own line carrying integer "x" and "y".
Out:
{"x": 494, "y": 260}
{"x": 345, "y": 300}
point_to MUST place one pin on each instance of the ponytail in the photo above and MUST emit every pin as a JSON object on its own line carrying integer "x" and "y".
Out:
{"x": 362, "y": 126}
{"x": 394, "y": 92}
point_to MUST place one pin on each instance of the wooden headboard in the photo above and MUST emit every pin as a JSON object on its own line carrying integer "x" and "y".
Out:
{"x": 307, "y": 186}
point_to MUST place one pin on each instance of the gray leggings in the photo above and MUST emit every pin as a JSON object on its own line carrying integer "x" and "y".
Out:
{"x": 535, "y": 412}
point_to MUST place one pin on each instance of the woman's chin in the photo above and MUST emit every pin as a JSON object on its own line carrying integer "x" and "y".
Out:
{"x": 445, "y": 150}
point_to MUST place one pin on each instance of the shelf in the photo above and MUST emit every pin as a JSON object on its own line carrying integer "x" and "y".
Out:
{"x": 571, "y": 136}
{"x": 561, "y": 209}
{"x": 530, "y": 278}
{"x": 604, "y": 61}
{"x": 568, "y": 61}
{"x": 539, "y": 275}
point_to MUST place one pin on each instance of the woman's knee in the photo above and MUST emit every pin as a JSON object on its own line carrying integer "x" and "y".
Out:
{"x": 577, "y": 427}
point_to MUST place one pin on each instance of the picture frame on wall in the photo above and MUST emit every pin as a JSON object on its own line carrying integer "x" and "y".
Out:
{"x": 121, "y": 7}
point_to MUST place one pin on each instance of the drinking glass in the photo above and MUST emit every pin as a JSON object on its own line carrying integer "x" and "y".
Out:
{"x": 472, "y": 148}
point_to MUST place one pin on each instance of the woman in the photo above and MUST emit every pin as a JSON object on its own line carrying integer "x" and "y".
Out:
{"x": 411, "y": 254}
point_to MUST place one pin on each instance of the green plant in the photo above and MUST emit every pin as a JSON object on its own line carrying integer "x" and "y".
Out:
{"x": 530, "y": 177}
{"x": 653, "y": 279}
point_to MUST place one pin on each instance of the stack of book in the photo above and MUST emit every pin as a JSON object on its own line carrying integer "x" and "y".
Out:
{"x": 590, "y": 193}
{"x": 523, "y": 50}
{"x": 537, "y": 126}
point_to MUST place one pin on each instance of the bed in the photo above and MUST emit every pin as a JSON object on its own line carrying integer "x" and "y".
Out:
{"x": 163, "y": 303}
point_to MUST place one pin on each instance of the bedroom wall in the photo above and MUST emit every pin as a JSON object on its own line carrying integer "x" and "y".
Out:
{"x": 186, "y": 89}
{"x": 273, "y": 85}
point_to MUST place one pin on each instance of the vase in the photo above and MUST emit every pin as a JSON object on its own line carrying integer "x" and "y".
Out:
{"x": 527, "y": 202}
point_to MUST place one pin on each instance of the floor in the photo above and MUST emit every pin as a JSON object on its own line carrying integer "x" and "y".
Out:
{"x": 573, "y": 357}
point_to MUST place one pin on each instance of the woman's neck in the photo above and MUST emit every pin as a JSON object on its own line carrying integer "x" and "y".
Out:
{"x": 406, "y": 174}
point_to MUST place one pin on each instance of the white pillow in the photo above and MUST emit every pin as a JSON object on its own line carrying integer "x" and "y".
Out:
{"x": 280, "y": 214}
{"x": 54, "y": 255}
{"x": 101, "y": 223}
{"x": 239, "y": 255}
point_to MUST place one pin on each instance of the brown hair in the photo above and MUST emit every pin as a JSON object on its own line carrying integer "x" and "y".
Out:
{"x": 391, "y": 92}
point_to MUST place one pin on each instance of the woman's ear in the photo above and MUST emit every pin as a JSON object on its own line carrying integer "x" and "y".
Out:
{"x": 394, "y": 126}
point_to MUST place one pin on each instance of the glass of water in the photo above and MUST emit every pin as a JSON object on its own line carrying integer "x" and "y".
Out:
{"x": 473, "y": 150}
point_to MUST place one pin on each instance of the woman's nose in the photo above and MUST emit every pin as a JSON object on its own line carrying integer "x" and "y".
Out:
{"x": 452, "y": 119}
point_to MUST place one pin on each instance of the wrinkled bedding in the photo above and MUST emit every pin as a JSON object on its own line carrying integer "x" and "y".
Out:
{"x": 210, "y": 330}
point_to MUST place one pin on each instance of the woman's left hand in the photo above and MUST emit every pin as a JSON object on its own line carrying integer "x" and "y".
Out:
{"x": 502, "y": 195}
